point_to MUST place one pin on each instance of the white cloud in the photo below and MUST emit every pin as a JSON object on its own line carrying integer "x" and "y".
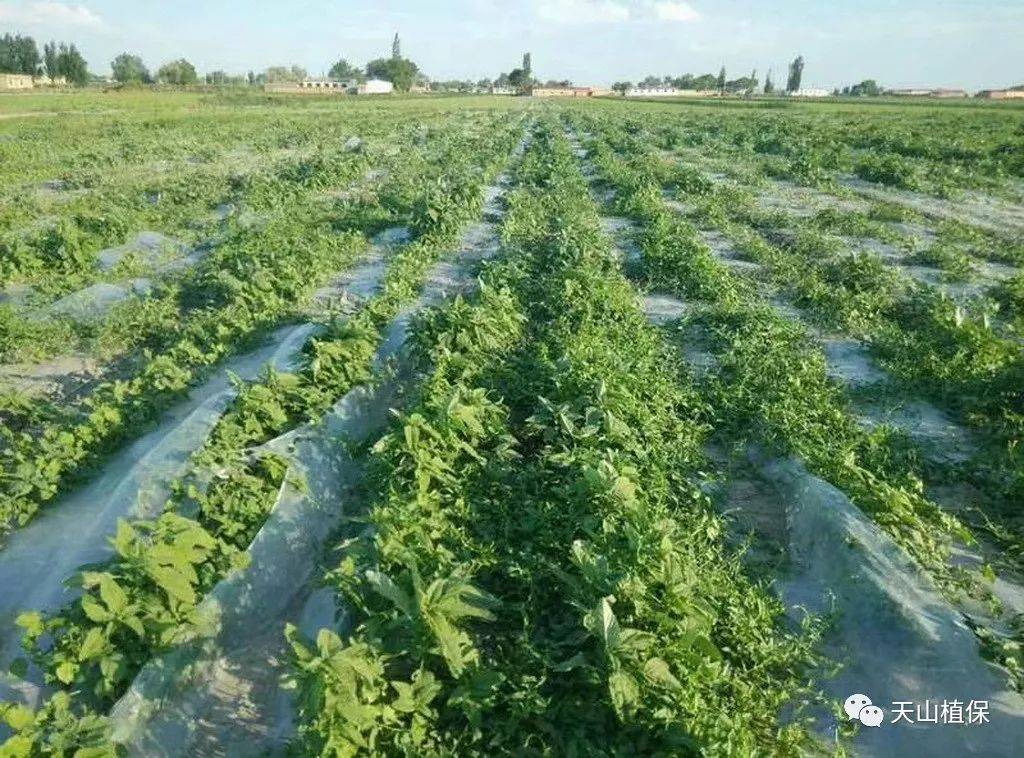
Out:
{"x": 49, "y": 14}
{"x": 614, "y": 11}
{"x": 582, "y": 11}
{"x": 673, "y": 10}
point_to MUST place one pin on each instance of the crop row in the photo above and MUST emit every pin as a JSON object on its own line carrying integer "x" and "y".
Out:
{"x": 58, "y": 255}
{"x": 146, "y": 599}
{"x": 771, "y": 388}
{"x": 952, "y": 353}
{"x": 938, "y": 151}
{"x": 247, "y": 285}
{"x": 540, "y": 566}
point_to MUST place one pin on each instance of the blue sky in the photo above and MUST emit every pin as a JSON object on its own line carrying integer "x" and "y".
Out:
{"x": 965, "y": 43}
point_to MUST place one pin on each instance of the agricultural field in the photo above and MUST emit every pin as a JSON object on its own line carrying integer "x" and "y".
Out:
{"x": 463, "y": 426}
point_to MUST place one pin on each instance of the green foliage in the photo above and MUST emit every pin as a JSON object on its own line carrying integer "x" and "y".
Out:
{"x": 541, "y": 568}
{"x": 344, "y": 71}
{"x": 148, "y": 597}
{"x": 65, "y": 61}
{"x": 19, "y": 55}
{"x": 399, "y": 71}
{"x": 771, "y": 385}
{"x": 55, "y": 729}
{"x": 179, "y": 72}
{"x": 129, "y": 69}
{"x": 890, "y": 169}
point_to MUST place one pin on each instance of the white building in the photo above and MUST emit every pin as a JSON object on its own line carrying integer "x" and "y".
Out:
{"x": 652, "y": 92}
{"x": 16, "y": 81}
{"x": 502, "y": 90}
{"x": 375, "y": 87}
{"x": 909, "y": 92}
{"x": 810, "y": 92}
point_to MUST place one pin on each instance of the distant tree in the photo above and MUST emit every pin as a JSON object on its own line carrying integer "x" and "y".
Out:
{"x": 622, "y": 87}
{"x": 251, "y": 77}
{"x": 866, "y": 88}
{"x": 796, "y": 73}
{"x": 453, "y": 85}
{"x": 528, "y": 65}
{"x": 721, "y": 80}
{"x": 220, "y": 78}
{"x": 19, "y": 55}
{"x": 518, "y": 78}
{"x": 502, "y": 81}
{"x": 745, "y": 84}
{"x": 484, "y": 84}
{"x": 179, "y": 72}
{"x": 396, "y": 48}
{"x": 69, "y": 64}
{"x": 128, "y": 68}
{"x": 769, "y": 85}
{"x": 651, "y": 81}
{"x": 50, "y": 60}
{"x": 705, "y": 82}
{"x": 343, "y": 71}
{"x": 277, "y": 74}
{"x": 399, "y": 71}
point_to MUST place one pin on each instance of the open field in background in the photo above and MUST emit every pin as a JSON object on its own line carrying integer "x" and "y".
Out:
{"x": 473, "y": 425}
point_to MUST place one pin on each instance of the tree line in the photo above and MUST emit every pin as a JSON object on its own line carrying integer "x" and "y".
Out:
{"x": 20, "y": 55}
{"x": 59, "y": 60}
{"x": 719, "y": 82}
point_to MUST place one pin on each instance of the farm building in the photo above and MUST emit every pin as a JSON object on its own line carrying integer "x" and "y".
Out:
{"x": 927, "y": 92}
{"x": 324, "y": 84}
{"x": 654, "y": 92}
{"x": 502, "y": 90}
{"x": 375, "y": 87}
{"x": 16, "y": 81}
{"x": 561, "y": 92}
{"x": 309, "y": 87}
{"x": 810, "y": 92}
{"x": 1001, "y": 94}
{"x": 670, "y": 92}
{"x": 331, "y": 87}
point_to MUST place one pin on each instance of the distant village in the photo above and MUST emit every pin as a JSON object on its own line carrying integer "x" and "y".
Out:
{"x": 22, "y": 68}
{"x": 328, "y": 86}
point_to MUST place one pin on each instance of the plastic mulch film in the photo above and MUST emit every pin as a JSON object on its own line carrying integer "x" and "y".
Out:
{"x": 134, "y": 483}
{"x": 898, "y": 639}
{"x": 220, "y": 693}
